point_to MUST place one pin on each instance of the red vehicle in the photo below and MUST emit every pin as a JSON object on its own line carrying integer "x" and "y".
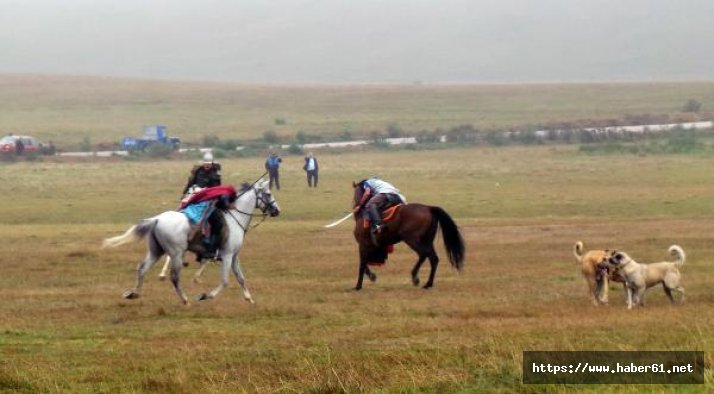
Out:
{"x": 8, "y": 145}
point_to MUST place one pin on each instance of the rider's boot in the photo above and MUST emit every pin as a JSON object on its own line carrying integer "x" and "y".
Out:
{"x": 375, "y": 218}
{"x": 209, "y": 248}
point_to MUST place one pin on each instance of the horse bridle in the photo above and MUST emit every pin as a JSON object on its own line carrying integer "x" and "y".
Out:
{"x": 259, "y": 197}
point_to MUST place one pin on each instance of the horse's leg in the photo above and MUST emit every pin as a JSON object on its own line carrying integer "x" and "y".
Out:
{"x": 415, "y": 270}
{"x": 434, "y": 261}
{"x": 362, "y": 270}
{"x": 165, "y": 270}
{"x": 241, "y": 279}
{"x": 417, "y": 245}
{"x": 224, "y": 279}
{"x": 141, "y": 269}
{"x": 176, "y": 264}
{"x": 371, "y": 275}
{"x": 201, "y": 267}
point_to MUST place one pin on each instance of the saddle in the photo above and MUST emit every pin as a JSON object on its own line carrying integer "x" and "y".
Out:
{"x": 387, "y": 215}
{"x": 196, "y": 235}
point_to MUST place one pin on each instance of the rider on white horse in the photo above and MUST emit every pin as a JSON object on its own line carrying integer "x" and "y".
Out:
{"x": 205, "y": 174}
{"x": 201, "y": 208}
{"x": 168, "y": 234}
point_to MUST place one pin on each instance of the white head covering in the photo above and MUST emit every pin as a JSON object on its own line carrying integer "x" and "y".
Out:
{"x": 208, "y": 157}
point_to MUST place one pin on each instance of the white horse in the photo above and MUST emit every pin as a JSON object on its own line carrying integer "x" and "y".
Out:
{"x": 202, "y": 263}
{"x": 168, "y": 233}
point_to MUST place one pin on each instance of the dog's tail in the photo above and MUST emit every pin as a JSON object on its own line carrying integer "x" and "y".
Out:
{"x": 578, "y": 251}
{"x": 134, "y": 233}
{"x": 678, "y": 253}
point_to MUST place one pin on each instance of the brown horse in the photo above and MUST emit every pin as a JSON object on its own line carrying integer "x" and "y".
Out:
{"x": 416, "y": 225}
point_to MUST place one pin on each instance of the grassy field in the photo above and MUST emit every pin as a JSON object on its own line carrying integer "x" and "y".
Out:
{"x": 65, "y": 327}
{"x": 69, "y": 109}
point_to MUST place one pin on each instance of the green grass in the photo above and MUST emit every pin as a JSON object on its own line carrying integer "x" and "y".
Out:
{"x": 65, "y": 327}
{"x": 70, "y": 109}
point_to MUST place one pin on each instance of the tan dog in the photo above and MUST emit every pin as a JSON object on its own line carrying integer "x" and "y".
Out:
{"x": 640, "y": 277}
{"x": 596, "y": 274}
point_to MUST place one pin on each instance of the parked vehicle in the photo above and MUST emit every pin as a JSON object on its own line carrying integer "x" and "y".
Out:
{"x": 9, "y": 145}
{"x": 153, "y": 135}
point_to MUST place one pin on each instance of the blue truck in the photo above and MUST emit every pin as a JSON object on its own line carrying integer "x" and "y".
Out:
{"x": 153, "y": 135}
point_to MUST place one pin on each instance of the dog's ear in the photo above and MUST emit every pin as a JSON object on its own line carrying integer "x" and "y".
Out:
{"x": 615, "y": 257}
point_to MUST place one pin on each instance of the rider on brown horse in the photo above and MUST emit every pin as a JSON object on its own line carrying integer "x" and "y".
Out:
{"x": 377, "y": 196}
{"x": 414, "y": 224}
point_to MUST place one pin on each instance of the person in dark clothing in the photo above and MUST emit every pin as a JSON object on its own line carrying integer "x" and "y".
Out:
{"x": 218, "y": 199}
{"x": 311, "y": 168}
{"x": 19, "y": 146}
{"x": 206, "y": 174}
{"x": 272, "y": 164}
{"x": 51, "y": 149}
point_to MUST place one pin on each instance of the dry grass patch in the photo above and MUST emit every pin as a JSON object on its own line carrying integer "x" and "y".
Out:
{"x": 66, "y": 328}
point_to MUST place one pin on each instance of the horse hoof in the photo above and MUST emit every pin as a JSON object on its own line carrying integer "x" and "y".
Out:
{"x": 162, "y": 277}
{"x": 185, "y": 263}
{"x": 357, "y": 288}
{"x": 203, "y": 297}
{"x": 197, "y": 281}
{"x": 130, "y": 295}
{"x": 427, "y": 286}
{"x": 372, "y": 277}
{"x": 415, "y": 281}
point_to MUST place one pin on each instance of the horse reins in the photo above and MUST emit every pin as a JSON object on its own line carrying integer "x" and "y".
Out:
{"x": 258, "y": 198}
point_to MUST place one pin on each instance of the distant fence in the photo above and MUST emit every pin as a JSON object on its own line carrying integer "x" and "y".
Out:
{"x": 413, "y": 140}
{"x": 651, "y": 128}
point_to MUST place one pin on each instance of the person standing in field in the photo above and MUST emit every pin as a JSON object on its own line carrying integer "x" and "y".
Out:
{"x": 206, "y": 174}
{"x": 272, "y": 164}
{"x": 19, "y": 147}
{"x": 311, "y": 168}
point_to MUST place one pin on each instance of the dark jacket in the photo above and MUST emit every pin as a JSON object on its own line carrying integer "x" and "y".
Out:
{"x": 307, "y": 158}
{"x": 204, "y": 178}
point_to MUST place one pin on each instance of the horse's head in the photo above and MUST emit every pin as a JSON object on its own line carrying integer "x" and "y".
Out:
{"x": 265, "y": 200}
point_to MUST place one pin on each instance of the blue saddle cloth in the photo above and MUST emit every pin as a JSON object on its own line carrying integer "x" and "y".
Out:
{"x": 194, "y": 212}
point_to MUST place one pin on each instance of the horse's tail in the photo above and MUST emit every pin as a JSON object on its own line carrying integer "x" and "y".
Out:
{"x": 453, "y": 241}
{"x": 135, "y": 233}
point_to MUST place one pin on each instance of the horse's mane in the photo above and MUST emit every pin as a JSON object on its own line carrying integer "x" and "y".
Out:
{"x": 245, "y": 186}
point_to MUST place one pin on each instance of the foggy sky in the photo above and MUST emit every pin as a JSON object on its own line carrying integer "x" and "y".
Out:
{"x": 361, "y": 41}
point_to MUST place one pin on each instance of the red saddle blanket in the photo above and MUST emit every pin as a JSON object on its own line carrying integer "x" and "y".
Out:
{"x": 387, "y": 215}
{"x": 380, "y": 257}
{"x": 209, "y": 193}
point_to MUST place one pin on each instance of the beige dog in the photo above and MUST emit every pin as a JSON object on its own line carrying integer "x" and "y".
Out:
{"x": 596, "y": 274}
{"x": 640, "y": 277}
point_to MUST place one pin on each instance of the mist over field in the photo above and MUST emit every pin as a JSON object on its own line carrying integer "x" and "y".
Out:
{"x": 395, "y": 41}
